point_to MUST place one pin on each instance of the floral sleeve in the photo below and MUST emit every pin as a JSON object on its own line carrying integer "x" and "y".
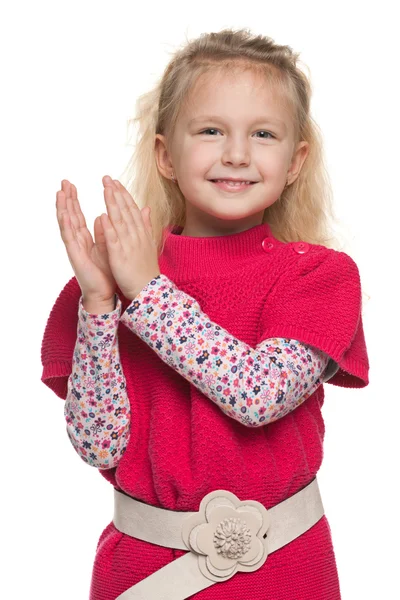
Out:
{"x": 97, "y": 408}
{"x": 254, "y": 386}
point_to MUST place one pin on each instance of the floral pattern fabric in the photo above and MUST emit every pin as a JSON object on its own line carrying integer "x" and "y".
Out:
{"x": 254, "y": 386}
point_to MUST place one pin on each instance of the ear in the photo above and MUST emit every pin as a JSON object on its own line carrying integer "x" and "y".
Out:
{"x": 162, "y": 157}
{"x": 298, "y": 160}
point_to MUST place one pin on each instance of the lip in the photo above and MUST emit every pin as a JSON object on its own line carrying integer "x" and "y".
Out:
{"x": 232, "y": 179}
{"x": 233, "y": 189}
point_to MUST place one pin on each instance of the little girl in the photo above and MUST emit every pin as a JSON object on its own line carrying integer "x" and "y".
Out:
{"x": 191, "y": 349}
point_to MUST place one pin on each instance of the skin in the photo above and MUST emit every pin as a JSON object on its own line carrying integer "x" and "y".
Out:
{"x": 123, "y": 252}
{"x": 236, "y": 146}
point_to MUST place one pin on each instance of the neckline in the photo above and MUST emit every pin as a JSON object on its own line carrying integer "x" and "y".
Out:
{"x": 186, "y": 257}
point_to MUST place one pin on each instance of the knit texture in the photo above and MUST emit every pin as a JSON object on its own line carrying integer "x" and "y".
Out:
{"x": 182, "y": 446}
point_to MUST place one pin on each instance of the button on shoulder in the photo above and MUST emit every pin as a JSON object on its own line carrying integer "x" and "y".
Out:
{"x": 301, "y": 247}
{"x": 268, "y": 244}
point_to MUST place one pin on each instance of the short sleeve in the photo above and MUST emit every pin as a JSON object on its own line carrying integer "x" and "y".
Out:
{"x": 59, "y": 339}
{"x": 318, "y": 301}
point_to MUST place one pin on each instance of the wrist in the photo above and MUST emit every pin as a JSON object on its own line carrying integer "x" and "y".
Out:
{"x": 96, "y": 307}
{"x": 131, "y": 295}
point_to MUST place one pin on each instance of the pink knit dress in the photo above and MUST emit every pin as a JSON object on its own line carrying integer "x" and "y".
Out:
{"x": 182, "y": 446}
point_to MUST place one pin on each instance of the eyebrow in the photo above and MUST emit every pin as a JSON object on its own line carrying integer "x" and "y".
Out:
{"x": 262, "y": 119}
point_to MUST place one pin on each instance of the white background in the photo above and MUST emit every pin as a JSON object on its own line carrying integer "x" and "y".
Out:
{"x": 71, "y": 72}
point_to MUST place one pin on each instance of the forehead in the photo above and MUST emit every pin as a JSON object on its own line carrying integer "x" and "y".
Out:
{"x": 235, "y": 97}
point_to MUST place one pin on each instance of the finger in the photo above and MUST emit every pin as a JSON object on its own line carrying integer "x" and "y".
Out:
{"x": 115, "y": 226}
{"x": 64, "y": 198}
{"x": 65, "y": 186}
{"x": 60, "y": 205}
{"x": 76, "y": 252}
{"x": 75, "y": 216}
{"x": 77, "y": 207}
{"x": 66, "y": 189}
{"x": 111, "y": 236}
{"x": 69, "y": 237}
{"x": 78, "y": 216}
{"x": 61, "y": 208}
{"x": 125, "y": 196}
{"x": 99, "y": 235}
{"x": 133, "y": 224}
{"x": 121, "y": 220}
{"x": 148, "y": 220}
{"x": 63, "y": 204}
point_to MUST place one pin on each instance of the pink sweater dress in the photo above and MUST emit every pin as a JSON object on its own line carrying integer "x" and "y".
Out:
{"x": 181, "y": 442}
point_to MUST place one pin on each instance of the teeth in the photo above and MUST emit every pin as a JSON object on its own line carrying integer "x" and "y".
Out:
{"x": 234, "y": 183}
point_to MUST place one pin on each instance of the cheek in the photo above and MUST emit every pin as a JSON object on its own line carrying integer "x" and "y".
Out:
{"x": 272, "y": 161}
{"x": 198, "y": 158}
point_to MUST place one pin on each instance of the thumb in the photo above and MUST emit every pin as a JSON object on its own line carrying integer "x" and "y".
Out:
{"x": 99, "y": 236}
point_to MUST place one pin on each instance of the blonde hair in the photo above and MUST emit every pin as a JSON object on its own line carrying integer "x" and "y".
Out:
{"x": 304, "y": 210}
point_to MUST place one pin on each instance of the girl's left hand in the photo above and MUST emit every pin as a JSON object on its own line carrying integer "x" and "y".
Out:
{"x": 132, "y": 251}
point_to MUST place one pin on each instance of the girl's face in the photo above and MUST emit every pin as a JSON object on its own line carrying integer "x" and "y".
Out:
{"x": 232, "y": 127}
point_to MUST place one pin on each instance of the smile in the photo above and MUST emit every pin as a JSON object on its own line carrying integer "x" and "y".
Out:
{"x": 231, "y": 186}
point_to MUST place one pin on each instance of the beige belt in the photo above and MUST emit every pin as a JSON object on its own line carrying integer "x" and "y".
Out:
{"x": 224, "y": 536}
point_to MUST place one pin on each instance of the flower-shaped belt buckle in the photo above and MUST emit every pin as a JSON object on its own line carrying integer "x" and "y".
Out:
{"x": 227, "y": 534}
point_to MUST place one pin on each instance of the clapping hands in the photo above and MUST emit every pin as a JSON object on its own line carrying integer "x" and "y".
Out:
{"x": 124, "y": 252}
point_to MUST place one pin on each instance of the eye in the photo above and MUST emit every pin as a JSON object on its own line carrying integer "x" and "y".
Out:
{"x": 267, "y": 132}
{"x": 262, "y": 131}
{"x": 209, "y": 129}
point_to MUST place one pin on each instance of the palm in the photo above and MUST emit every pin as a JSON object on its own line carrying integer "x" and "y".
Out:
{"x": 97, "y": 251}
{"x": 88, "y": 258}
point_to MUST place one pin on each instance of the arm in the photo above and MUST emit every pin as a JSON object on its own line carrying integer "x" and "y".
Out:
{"x": 253, "y": 386}
{"x": 97, "y": 408}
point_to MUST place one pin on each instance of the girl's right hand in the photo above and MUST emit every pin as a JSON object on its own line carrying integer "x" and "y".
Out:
{"x": 89, "y": 260}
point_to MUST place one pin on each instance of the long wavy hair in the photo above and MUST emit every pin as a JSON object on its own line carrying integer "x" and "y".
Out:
{"x": 304, "y": 209}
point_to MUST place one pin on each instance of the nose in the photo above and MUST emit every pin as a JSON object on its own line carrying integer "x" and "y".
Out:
{"x": 236, "y": 152}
